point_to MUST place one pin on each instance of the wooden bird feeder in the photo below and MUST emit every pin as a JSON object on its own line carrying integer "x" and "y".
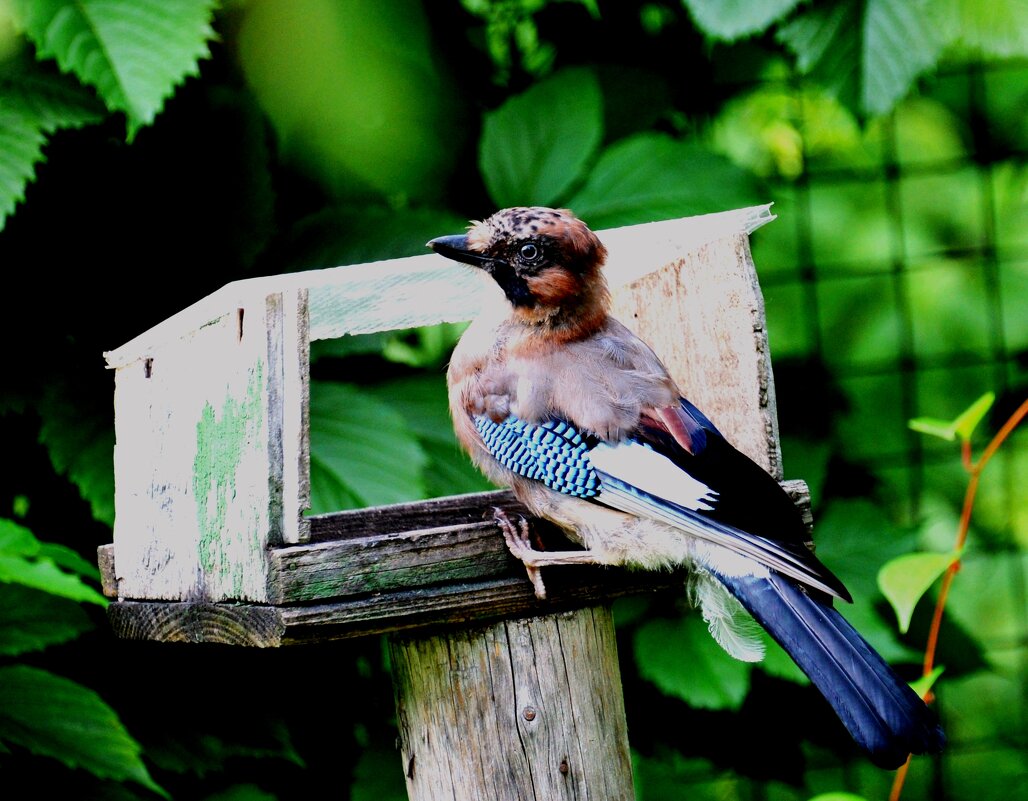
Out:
{"x": 499, "y": 695}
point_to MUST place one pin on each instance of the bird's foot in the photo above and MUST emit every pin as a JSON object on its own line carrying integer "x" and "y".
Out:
{"x": 519, "y": 542}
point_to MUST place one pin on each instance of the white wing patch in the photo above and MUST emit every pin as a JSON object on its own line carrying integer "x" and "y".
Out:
{"x": 653, "y": 473}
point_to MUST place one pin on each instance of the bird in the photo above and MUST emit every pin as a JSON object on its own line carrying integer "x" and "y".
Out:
{"x": 553, "y": 397}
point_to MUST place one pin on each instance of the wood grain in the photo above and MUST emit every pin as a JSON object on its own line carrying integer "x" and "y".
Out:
{"x": 521, "y": 710}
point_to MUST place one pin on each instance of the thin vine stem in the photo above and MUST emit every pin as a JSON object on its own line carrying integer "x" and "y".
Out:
{"x": 975, "y": 471}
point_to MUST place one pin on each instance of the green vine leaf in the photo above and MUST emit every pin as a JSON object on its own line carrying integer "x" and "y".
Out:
{"x": 905, "y": 579}
{"x": 734, "y": 19}
{"x": 133, "y": 52}
{"x": 963, "y": 425}
{"x": 55, "y": 717}
{"x": 922, "y": 685}
{"x": 868, "y": 52}
{"x": 537, "y": 144}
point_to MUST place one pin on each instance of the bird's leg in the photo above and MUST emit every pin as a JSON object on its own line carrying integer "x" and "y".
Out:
{"x": 519, "y": 542}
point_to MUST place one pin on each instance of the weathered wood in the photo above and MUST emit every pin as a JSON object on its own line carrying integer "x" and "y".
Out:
{"x": 429, "y": 289}
{"x": 717, "y": 347}
{"x": 527, "y": 710}
{"x": 429, "y": 610}
{"x": 230, "y": 624}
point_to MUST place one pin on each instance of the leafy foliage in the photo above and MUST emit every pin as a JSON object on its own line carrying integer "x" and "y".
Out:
{"x": 868, "y": 51}
{"x": 736, "y": 19}
{"x": 32, "y": 106}
{"x": 362, "y": 451}
{"x": 536, "y": 145}
{"x": 23, "y": 561}
{"x": 682, "y": 659}
{"x": 53, "y": 716}
{"x": 31, "y": 620}
{"x": 133, "y": 52}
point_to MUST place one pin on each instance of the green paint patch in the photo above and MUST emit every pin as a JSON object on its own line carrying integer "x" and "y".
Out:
{"x": 222, "y": 441}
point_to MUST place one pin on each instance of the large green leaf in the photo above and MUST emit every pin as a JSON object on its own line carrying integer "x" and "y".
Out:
{"x": 53, "y": 716}
{"x": 733, "y": 19}
{"x": 134, "y": 52}
{"x": 868, "y": 52}
{"x": 31, "y": 620}
{"x": 32, "y": 106}
{"x": 423, "y": 403}
{"x": 22, "y": 561}
{"x": 81, "y": 446}
{"x": 654, "y": 177}
{"x": 363, "y": 452}
{"x": 996, "y": 28}
{"x": 681, "y": 658}
{"x": 537, "y": 144}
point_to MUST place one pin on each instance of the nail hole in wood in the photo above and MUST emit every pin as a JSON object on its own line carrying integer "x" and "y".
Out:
{"x": 239, "y": 324}
{"x": 147, "y": 367}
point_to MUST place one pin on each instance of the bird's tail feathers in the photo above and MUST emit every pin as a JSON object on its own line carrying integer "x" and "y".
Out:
{"x": 883, "y": 714}
{"x": 730, "y": 625}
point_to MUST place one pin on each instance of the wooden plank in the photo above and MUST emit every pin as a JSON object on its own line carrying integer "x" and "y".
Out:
{"x": 374, "y": 520}
{"x": 520, "y": 710}
{"x": 423, "y": 290}
{"x": 228, "y": 624}
{"x": 387, "y": 562}
{"x": 194, "y": 503}
{"x": 289, "y": 411}
{"x": 717, "y": 351}
{"x": 421, "y": 609}
{"x": 403, "y": 547}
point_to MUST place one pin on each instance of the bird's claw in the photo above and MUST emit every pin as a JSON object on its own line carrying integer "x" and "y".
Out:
{"x": 518, "y": 537}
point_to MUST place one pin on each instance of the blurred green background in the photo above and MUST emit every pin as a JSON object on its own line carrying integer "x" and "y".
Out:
{"x": 153, "y": 150}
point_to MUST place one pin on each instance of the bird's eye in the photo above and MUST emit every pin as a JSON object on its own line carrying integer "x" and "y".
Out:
{"x": 529, "y": 252}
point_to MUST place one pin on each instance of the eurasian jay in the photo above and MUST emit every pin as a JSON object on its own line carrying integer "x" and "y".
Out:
{"x": 556, "y": 399}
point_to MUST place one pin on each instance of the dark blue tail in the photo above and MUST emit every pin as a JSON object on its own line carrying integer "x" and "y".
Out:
{"x": 885, "y": 717}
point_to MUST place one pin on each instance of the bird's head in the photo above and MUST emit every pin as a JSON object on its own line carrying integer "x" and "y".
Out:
{"x": 546, "y": 261}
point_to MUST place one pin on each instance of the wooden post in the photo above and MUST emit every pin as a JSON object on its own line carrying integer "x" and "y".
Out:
{"x": 522, "y": 710}
{"x": 499, "y": 695}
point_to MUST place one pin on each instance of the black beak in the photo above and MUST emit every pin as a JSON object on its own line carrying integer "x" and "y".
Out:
{"x": 456, "y": 248}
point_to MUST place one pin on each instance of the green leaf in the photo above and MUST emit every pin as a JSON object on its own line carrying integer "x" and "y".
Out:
{"x": 998, "y": 28}
{"x": 134, "y": 52}
{"x": 905, "y": 579}
{"x": 963, "y": 425}
{"x": 55, "y": 717}
{"x": 22, "y": 562}
{"x": 376, "y": 778}
{"x": 537, "y": 144}
{"x": 654, "y": 177}
{"x": 363, "y": 452}
{"x": 81, "y": 447}
{"x": 32, "y": 106}
{"x": 734, "y": 19}
{"x": 242, "y": 792}
{"x": 922, "y": 685}
{"x": 969, "y": 419}
{"x": 868, "y": 52}
{"x": 682, "y": 659}
{"x": 423, "y": 403}
{"x": 838, "y": 796}
{"x": 31, "y": 620}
